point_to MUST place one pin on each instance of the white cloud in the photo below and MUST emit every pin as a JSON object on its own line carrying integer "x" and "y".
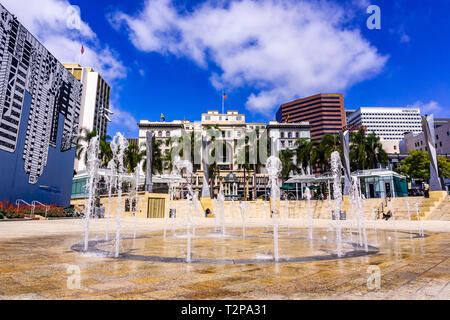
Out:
{"x": 52, "y": 22}
{"x": 281, "y": 49}
{"x": 431, "y": 107}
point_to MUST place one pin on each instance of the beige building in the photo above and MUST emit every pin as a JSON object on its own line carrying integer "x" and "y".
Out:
{"x": 233, "y": 129}
{"x": 95, "y": 105}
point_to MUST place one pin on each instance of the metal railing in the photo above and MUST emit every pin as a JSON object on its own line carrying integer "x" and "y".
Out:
{"x": 33, "y": 204}
{"x": 19, "y": 201}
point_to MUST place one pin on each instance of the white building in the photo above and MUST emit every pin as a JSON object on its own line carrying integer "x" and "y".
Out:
{"x": 390, "y": 124}
{"x": 94, "y": 111}
{"x": 284, "y": 135}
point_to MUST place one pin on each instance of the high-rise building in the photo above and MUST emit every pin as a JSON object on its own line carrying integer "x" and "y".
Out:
{"x": 39, "y": 115}
{"x": 94, "y": 110}
{"x": 324, "y": 112}
{"x": 390, "y": 124}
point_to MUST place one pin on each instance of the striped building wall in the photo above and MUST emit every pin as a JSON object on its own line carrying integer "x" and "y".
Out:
{"x": 324, "y": 112}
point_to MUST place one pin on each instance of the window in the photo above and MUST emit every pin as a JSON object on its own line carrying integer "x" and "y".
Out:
{"x": 207, "y": 118}
{"x": 160, "y": 134}
{"x": 282, "y": 144}
{"x": 282, "y": 135}
{"x": 297, "y": 135}
{"x": 168, "y": 134}
{"x": 290, "y": 144}
{"x": 290, "y": 135}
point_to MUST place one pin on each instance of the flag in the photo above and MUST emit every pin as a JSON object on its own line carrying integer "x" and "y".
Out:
{"x": 287, "y": 118}
{"x": 162, "y": 117}
{"x": 225, "y": 96}
{"x": 82, "y": 49}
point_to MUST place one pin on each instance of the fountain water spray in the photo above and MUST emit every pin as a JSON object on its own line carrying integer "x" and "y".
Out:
{"x": 374, "y": 225}
{"x": 336, "y": 168}
{"x": 120, "y": 144}
{"x": 221, "y": 205}
{"x": 409, "y": 219}
{"x": 310, "y": 220}
{"x": 179, "y": 165}
{"x": 135, "y": 199}
{"x": 92, "y": 167}
{"x": 242, "y": 207}
{"x": 419, "y": 223}
{"x": 355, "y": 194}
{"x": 273, "y": 167}
{"x": 110, "y": 182}
{"x": 391, "y": 208}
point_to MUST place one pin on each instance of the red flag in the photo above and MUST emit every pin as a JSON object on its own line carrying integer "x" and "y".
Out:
{"x": 82, "y": 49}
{"x": 225, "y": 96}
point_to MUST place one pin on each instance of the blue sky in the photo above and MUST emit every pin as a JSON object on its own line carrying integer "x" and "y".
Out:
{"x": 175, "y": 57}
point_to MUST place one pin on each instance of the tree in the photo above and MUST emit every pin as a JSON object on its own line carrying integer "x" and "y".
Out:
{"x": 106, "y": 154}
{"x": 358, "y": 151}
{"x": 83, "y": 141}
{"x": 213, "y": 168}
{"x": 329, "y": 144}
{"x": 286, "y": 158}
{"x": 133, "y": 157}
{"x": 444, "y": 167}
{"x": 157, "y": 158}
{"x": 306, "y": 154}
{"x": 366, "y": 150}
{"x": 415, "y": 166}
{"x": 375, "y": 151}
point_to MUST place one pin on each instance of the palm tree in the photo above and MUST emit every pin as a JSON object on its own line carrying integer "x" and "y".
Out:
{"x": 245, "y": 153}
{"x": 366, "y": 151}
{"x": 375, "y": 152}
{"x": 133, "y": 157}
{"x": 286, "y": 157}
{"x": 106, "y": 154}
{"x": 329, "y": 144}
{"x": 83, "y": 141}
{"x": 358, "y": 150}
{"x": 213, "y": 169}
{"x": 306, "y": 154}
{"x": 157, "y": 159}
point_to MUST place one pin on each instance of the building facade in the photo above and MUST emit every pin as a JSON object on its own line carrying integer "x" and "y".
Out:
{"x": 324, "y": 112}
{"x": 390, "y": 124}
{"x": 232, "y": 130}
{"x": 39, "y": 115}
{"x": 416, "y": 141}
{"x": 284, "y": 135}
{"x": 94, "y": 110}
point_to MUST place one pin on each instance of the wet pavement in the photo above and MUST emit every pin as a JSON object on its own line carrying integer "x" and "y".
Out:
{"x": 44, "y": 262}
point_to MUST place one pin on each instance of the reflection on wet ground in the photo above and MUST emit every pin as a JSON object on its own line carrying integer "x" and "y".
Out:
{"x": 232, "y": 267}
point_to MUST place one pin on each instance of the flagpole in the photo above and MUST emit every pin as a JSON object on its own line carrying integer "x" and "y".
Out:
{"x": 223, "y": 102}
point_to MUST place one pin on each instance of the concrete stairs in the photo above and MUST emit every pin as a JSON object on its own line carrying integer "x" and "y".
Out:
{"x": 442, "y": 211}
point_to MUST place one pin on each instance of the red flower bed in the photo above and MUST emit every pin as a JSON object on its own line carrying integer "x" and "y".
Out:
{"x": 11, "y": 211}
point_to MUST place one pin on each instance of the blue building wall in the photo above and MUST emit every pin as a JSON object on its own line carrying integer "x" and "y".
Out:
{"x": 54, "y": 186}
